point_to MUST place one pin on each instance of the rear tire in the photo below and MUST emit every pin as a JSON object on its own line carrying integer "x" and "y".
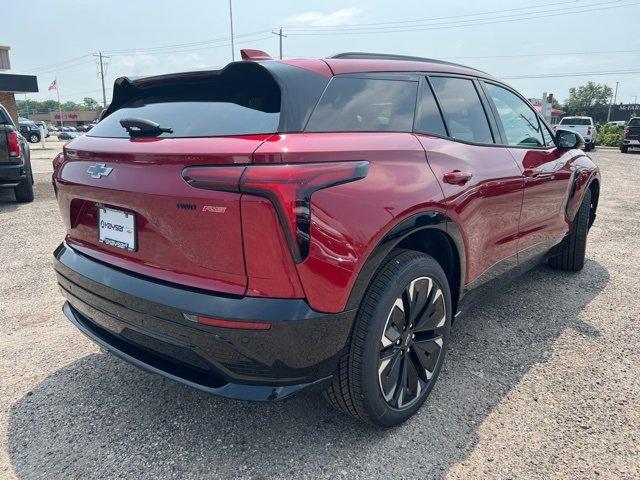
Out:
{"x": 624, "y": 149}
{"x": 398, "y": 343}
{"x": 33, "y": 138}
{"x": 573, "y": 247}
{"x": 24, "y": 190}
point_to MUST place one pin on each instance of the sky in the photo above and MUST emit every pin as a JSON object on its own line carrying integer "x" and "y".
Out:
{"x": 541, "y": 40}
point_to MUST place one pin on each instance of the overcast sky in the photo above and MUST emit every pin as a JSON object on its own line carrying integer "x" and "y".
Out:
{"x": 507, "y": 39}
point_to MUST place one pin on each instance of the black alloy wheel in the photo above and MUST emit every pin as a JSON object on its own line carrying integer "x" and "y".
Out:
{"x": 412, "y": 341}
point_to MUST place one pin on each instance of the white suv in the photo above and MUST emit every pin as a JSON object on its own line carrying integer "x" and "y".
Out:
{"x": 584, "y": 126}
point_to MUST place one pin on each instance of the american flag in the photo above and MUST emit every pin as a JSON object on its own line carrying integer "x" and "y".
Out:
{"x": 54, "y": 85}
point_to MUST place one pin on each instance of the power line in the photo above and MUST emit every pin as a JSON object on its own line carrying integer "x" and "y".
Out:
{"x": 543, "y": 54}
{"x": 458, "y": 24}
{"x": 185, "y": 45}
{"x": 291, "y": 27}
{"x": 571, "y": 74}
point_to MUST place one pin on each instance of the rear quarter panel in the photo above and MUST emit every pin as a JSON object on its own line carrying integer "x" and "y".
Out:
{"x": 349, "y": 220}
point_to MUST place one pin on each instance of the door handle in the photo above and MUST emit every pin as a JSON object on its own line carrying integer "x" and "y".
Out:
{"x": 457, "y": 177}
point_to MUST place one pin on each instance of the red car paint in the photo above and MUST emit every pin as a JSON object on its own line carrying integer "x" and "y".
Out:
{"x": 506, "y": 201}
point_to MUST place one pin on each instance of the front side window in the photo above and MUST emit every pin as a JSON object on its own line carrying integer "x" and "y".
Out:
{"x": 462, "y": 109}
{"x": 547, "y": 135}
{"x": 351, "y": 104}
{"x": 519, "y": 121}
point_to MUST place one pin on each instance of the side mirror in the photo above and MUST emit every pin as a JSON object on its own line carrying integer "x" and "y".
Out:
{"x": 568, "y": 140}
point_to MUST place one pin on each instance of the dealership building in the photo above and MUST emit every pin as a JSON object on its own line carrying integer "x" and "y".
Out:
{"x": 70, "y": 119}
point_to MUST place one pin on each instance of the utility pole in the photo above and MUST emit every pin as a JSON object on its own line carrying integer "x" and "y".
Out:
{"x": 233, "y": 54}
{"x": 104, "y": 92}
{"x": 280, "y": 34}
{"x": 59, "y": 104}
{"x": 26, "y": 102}
{"x": 613, "y": 101}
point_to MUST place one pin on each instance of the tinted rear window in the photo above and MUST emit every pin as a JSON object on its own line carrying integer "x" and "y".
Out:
{"x": 634, "y": 122}
{"x": 218, "y": 107}
{"x": 365, "y": 105}
{"x": 575, "y": 121}
{"x": 429, "y": 119}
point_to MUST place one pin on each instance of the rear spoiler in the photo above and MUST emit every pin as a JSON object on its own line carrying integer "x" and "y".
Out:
{"x": 300, "y": 89}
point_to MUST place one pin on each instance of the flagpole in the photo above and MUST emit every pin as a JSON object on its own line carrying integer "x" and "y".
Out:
{"x": 59, "y": 104}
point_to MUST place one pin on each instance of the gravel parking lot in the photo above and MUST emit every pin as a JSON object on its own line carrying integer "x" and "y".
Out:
{"x": 541, "y": 380}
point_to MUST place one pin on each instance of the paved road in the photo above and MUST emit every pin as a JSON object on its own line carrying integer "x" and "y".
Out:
{"x": 541, "y": 381}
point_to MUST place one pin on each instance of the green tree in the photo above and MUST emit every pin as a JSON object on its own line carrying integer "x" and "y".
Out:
{"x": 589, "y": 96}
{"x": 90, "y": 104}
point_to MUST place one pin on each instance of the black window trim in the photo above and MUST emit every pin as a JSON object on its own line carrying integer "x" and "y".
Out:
{"x": 541, "y": 122}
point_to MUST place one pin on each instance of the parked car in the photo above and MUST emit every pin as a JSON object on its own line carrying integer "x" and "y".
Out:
{"x": 584, "y": 126}
{"x": 15, "y": 159}
{"x": 43, "y": 126}
{"x": 30, "y": 131}
{"x": 617, "y": 123}
{"x": 631, "y": 135}
{"x": 67, "y": 135}
{"x": 316, "y": 222}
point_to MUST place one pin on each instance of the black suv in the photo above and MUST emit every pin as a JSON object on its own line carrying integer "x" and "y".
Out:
{"x": 30, "y": 131}
{"x": 15, "y": 159}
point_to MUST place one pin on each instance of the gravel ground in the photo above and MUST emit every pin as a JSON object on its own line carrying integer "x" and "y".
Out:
{"x": 541, "y": 380}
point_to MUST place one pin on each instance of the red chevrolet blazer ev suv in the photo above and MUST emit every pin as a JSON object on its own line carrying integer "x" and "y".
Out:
{"x": 275, "y": 225}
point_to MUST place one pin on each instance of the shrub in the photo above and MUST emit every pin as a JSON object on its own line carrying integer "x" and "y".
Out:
{"x": 609, "y": 136}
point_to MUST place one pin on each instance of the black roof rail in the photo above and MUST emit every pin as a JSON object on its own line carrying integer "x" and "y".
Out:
{"x": 390, "y": 56}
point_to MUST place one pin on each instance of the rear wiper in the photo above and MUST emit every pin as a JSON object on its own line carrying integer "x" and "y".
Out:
{"x": 139, "y": 127}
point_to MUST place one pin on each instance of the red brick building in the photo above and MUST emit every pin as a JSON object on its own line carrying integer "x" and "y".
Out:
{"x": 12, "y": 83}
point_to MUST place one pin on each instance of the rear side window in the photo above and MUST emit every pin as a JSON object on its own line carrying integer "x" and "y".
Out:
{"x": 575, "y": 121}
{"x": 218, "y": 107}
{"x": 352, "y": 104}
{"x": 520, "y": 123}
{"x": 462, "y": 109}
{"x": 429, "y": 118}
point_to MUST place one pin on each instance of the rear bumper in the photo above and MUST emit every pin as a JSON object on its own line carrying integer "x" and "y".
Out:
{"x": 141, "y": 320}
{"x": 11, "y": 174}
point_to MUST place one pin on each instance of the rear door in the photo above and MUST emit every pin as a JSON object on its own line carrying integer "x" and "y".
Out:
{"x": 481, "y": 182}
{"x": 546, "y": 170}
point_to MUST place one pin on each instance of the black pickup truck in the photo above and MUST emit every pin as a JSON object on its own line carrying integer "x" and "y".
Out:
{"x": 631, "y": 135}
{"x": 15, "y": 160}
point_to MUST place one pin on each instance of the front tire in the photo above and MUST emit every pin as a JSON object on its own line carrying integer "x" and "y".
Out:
{"x": 573, "y": 247}
{"x": 33, "y": 138}
{"x": 398, "y": 344}
{"x": 624, "y": 149}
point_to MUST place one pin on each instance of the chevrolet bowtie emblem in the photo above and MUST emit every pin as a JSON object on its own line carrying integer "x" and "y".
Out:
{"x": 99, "y": 170}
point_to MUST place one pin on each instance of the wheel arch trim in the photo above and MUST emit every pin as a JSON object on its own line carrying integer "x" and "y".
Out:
{"x": 422, "y": 221}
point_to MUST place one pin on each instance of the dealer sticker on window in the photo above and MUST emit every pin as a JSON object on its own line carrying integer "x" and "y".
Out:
{"x": 117, "y": 228}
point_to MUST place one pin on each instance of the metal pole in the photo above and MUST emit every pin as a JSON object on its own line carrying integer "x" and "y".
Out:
{"x": 104, "y": 93}
{"x": 59, "y": 104}
{"x": 280, "y": 34}
{"x": 233, "y": 54}
{"x": 612, "y": 102}
{"x": 27, "y": 104}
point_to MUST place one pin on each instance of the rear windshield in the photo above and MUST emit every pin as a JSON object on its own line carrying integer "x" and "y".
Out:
{"x": 218, "y": 107}
{"x": 634, "y": 122}
{"x": 352, "y": 104}
{"x": 575, "y": 121}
